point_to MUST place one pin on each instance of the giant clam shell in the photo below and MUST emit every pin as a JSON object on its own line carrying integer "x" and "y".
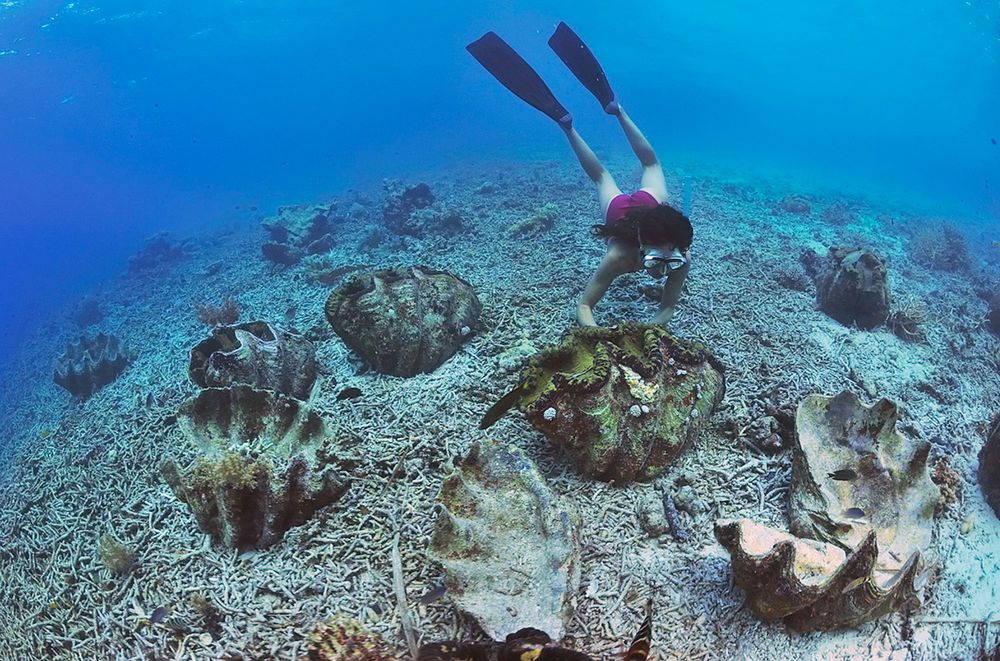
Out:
{"x": 813, "y": 585}
{"x": 861, "y": 508}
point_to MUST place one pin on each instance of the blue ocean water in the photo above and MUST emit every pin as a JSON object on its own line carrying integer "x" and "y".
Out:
{"x": 119, "y": 119}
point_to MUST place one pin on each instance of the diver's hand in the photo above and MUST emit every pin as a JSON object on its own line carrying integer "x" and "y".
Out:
{"x": 584, "y": 315}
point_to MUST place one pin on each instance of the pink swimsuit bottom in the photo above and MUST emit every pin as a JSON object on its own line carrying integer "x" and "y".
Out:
{"x": 622, "y": 204}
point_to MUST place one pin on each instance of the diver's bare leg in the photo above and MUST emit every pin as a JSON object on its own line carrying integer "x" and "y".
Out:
{"x": 607, "y": 189}
{"x": 652, "y": 181}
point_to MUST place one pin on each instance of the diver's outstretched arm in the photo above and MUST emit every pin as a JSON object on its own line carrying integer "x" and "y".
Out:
{"x": 653, "y": 181}
{"x": 672, "y": 292}
{"x": 618, "y": 259}
{"x": 606, "y": 186}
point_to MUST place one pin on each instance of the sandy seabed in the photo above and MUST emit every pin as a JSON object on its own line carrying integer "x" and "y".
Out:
{"x": 72, "y": 471}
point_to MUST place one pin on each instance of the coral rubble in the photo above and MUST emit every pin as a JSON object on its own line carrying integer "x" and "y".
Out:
{"x": 942, "y": 247}
{"x": 256, "y": 353}
{"x": 502, "y": 531}
{"x": 623, "y": 401}
{"x": 91, "y": 363}
{"x": 989, "y": 466}
{"x": 861, "y": 507}
{"x": 266, "y": 465}
{"x": 404, "y": 321}
{"x": 852, "y": 287}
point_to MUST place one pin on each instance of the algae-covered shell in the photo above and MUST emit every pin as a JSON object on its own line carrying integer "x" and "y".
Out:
{"x": 404, "y": 321}
{"x": 814, "y": 585}
{"x": 623, "y": 401}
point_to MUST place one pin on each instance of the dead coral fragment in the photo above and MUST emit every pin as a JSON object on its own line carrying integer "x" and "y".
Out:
{"x": 267, "y": 465}
{"x": 342, "y": 639}
{"x": 90, "y": 364}
{"x": 813, "y": 585}
{"x": 623, "y": 401}
{"x": 907, "y": 319}
{"x": 118, "y": 558}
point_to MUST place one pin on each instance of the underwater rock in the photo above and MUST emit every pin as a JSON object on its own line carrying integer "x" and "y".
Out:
{"x": 256, "y": 354}
{"x": 266, "y": 465}
{"x": 401, "y": 201}
{"x": 160, "y": 250}
{"x": 989, "y": 466}
{"x": 343, "y": 639}
{"x": 502, "y": 531}
{"x": 412, "y": 211}
{"x": 852, "y": 287}
{"x": 623, "y": 401}
{"x": 811, "y": 585}
{"x": 403, "y": 321}
{"x": 91, "y": 363}
{"x": 300, "y": 225}
{"x": 280, "y": 253}
{"x": 861, "y": 506}
{"x": 299, "y": 230}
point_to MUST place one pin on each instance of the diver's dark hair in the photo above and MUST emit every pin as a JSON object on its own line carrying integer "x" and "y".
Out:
{"x": 656, "y": 225}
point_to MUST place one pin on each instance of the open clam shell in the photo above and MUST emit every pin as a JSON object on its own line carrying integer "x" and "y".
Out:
{"x": 813, "y": 585}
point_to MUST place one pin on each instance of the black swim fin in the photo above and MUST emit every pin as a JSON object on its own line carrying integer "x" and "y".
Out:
{"x": 578, "y": 58}
{"x": 515, "y": 74}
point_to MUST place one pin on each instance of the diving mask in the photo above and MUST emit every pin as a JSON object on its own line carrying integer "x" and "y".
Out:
{"x": 661, "y": 262}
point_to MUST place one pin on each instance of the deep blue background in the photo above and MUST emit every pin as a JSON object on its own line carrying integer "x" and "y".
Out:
{"x": 126, "y": 117}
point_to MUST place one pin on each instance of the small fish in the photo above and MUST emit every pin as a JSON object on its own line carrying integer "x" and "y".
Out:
{"x": 433, "y": 594}
{"x": 348, "y": 393}
{"x": 843, "y": 475}
{"x": 854, "y": 513}
{"x": 994, "y": 141}
{"x": 253, "y": 207}
{"x": 996, "y": 244}
{"x": 856, "y": 583}
{"x": 158, "y": 615}
{"x": 290, "y": 314}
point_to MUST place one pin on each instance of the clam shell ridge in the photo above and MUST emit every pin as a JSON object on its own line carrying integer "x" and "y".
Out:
{"x": 813, "y": 585}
